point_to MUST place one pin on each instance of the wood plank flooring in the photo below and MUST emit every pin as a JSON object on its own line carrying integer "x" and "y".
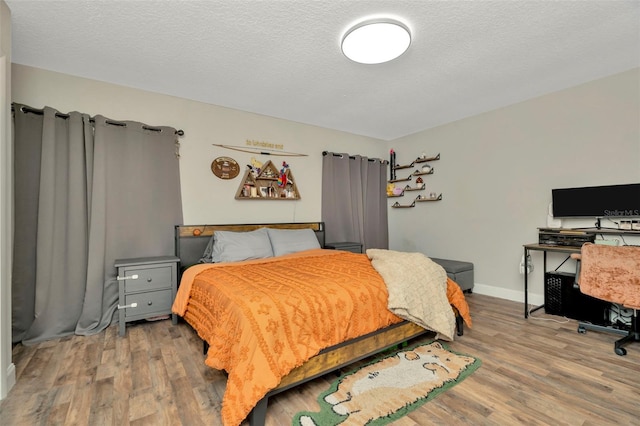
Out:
{"x": 534, "y": 372}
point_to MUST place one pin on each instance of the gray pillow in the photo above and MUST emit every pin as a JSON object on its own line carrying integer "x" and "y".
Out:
{"x": 231, "y": 246}
{"x": 285, "y": 241}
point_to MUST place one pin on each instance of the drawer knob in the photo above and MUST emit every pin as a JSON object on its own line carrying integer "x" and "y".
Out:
{"x": 149, "y": 280}
{"x": 149, "y": 303}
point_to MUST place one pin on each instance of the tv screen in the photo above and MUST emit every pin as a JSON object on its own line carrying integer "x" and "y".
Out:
{"x": 597, "y": 201}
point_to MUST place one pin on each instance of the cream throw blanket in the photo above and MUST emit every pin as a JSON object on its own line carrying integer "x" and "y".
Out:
{"x": 417, "y": 289}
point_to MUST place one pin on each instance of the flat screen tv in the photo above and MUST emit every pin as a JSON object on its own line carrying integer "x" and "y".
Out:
{"x": 597, "y": 201}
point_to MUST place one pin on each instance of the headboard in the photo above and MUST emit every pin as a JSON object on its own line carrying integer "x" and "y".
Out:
{"x": 191, "y": 240}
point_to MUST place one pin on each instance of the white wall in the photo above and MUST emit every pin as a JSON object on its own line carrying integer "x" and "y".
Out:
{"x": 205, "y": 198}
{"x": 498, "y": 169}
{"x": 7, "y": 368}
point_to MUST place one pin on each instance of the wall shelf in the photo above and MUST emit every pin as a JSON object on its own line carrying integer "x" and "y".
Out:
{"x": 403, "y": 206}
{"x": 399, "y": 180}
{"x": 425, "y": 159}
{"x": 417, "y": 188}
{"x": 264, "y": 185}
{"x": 421, "y": 198}
{"x": 416, "y": 161}
{"x": 419, "y": 173}
{"x": 419, "y": 184}
{"x": 407, "y": 166}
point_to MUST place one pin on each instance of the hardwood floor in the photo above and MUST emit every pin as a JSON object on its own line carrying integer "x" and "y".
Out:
{"x": 534, "y": 372}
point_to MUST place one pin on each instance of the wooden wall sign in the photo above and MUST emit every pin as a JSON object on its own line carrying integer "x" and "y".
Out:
{"x": 225, "y": 167}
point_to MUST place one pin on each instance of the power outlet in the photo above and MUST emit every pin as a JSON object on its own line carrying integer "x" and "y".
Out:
{"x": 529, "y": 264}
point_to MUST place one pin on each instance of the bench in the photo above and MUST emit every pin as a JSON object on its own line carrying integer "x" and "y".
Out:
{"x": 458, "y": 271}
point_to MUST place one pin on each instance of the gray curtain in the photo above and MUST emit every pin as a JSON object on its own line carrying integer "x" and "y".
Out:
{"x": 87, "y": 192}
{"x": 354, "y": 201}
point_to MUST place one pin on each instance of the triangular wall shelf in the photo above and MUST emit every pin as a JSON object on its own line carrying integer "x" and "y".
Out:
{"x": 264, "y": 185}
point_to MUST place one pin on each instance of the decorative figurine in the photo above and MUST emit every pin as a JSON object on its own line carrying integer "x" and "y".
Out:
{"x": 255, "y": 166}
{"x": 282, "y": 178}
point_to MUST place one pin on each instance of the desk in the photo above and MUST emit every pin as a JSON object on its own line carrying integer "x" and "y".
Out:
{"x": 563, "y": 249}
{"x": 544, "y": 249}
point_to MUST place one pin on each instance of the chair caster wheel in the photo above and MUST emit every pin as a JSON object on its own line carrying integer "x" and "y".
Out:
{"x": 621, "y": 351}
{"x": 582, "y": 330}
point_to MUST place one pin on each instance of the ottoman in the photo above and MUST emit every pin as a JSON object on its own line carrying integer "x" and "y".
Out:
{"x": 460, "y": 272}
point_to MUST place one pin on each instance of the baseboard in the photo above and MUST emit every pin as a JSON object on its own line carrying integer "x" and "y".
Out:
{"x": 10, "y": 380}
{"x": 507, "y": 294}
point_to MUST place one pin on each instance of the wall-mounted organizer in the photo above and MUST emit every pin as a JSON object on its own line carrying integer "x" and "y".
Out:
{"x": 423, "y": 169}
{"x": 268, "y": 184}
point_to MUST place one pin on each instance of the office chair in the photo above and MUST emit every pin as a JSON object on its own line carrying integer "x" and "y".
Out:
{"x": 612, "y": 274}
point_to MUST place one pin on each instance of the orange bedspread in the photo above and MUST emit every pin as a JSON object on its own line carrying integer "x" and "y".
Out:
{"x": 262, "y": 318}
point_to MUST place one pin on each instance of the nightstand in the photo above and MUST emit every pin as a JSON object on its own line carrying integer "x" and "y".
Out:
{"x": 348, "y": 246}
{"x": 147, "y": 287}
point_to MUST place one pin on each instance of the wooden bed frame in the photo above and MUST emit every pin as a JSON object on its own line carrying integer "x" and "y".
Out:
{"x": 191, "y": 242}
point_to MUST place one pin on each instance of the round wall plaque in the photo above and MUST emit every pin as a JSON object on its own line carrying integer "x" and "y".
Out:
{"x": 225, "y": 167}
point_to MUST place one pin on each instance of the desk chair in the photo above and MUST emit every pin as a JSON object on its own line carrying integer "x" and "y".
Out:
{"x": 612, "y": 274}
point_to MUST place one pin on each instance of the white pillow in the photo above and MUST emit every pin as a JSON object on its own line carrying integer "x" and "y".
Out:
{"x": 285, "y": 241}
{"x": 231, "y": 246}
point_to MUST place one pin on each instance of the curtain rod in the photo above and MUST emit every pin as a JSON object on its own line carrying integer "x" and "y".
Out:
{"x": 25, "y": 108}
{"x": 352, "y": 157}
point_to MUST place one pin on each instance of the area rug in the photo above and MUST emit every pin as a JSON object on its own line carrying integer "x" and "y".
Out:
{"x": 390, "y": 387}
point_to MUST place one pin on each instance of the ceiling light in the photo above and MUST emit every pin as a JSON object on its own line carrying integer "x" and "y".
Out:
{"x": 376, "y": 41}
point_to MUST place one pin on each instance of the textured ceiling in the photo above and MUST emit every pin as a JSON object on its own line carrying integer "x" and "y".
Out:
{"x": 282, "y": 58}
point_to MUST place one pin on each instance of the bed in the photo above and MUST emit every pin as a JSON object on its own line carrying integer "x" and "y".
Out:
{"x": 266, "y": 342}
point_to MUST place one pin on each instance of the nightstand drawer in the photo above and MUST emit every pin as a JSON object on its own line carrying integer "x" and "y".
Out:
{"x": 148, "y": 303}
{"x": 148, "y": 279}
